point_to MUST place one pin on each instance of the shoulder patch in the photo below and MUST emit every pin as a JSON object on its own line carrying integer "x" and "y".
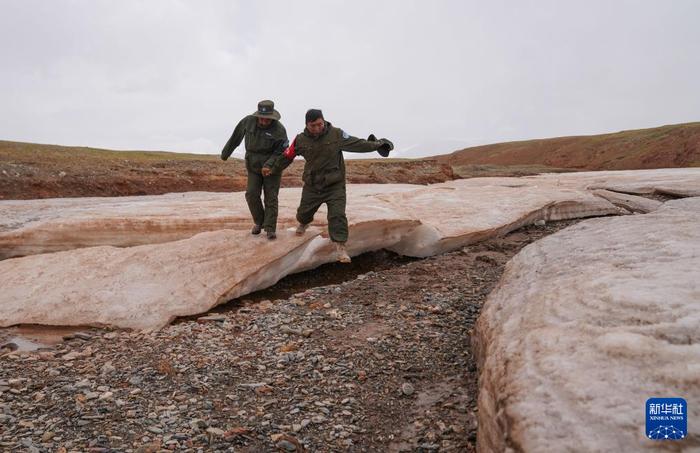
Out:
{"x": 345, "y": 134}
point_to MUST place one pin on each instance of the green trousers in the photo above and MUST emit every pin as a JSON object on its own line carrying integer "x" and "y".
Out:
{"x": 265, "y": 215}
{"x": 334, "y": 197}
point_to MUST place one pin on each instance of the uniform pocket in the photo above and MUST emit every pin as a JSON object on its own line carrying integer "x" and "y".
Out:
{"x": 254, "y": 161}
{"x": 333, "y": 176}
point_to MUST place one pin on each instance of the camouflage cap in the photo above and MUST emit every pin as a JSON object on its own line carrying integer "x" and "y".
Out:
{"x": 266, "y": 109}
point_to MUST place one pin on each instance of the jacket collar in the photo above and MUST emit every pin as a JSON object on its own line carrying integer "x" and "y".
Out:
{"x": 325, "y": 131}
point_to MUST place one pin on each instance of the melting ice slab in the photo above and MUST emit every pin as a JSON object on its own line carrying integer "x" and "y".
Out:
{"x": 140, "y": 261}
{"x": 142, "y": 287}
{"x": 585, "y": 325}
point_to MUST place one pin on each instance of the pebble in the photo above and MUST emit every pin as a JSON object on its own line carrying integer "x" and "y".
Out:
{"x": 286, "y": 445}
{"x": 71, "y": 356}
{"x": 91, "y": 395}
{"x": 216, "y": 432}
{"x": 211, "y": 318}
{"x": 407, "y": 389}
{"x": 197, "y": 424}
{"x": 82, "y": 336}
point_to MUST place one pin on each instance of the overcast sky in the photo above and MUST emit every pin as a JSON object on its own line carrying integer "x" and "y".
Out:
{"x": 433, "y": 76}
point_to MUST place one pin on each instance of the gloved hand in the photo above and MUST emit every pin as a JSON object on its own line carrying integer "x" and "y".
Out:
{"x": 385, "y": 148}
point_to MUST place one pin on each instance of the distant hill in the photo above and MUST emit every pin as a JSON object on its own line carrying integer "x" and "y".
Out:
{"x": 29, "y": 170}
{"x": 660, "y": 147}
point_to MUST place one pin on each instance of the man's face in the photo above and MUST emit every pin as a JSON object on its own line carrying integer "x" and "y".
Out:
{"x": 316, "y": 127}
{"x": 264, "y": 122}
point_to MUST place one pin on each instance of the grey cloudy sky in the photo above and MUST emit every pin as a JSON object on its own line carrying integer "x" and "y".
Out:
{"x": 433, "y": 76}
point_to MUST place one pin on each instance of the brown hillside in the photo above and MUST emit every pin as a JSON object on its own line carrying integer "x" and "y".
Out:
{"x": 660, "y": 147}
{"x": 29, "y": 170}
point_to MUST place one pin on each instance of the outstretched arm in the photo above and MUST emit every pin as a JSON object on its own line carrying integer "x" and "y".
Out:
{"x": 358, "y": 145}
{"x": 234, "y": 141}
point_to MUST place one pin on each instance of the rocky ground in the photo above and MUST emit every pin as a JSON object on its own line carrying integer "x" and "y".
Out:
{"x": 374, "y": 356}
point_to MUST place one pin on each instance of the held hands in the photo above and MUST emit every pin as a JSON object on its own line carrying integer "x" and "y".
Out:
{"x": 266, "y": 171}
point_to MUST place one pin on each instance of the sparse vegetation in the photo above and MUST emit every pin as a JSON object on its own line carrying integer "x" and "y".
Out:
{"x": 661, "y": 147}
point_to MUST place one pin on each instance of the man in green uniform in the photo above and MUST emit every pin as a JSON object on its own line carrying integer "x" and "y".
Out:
{"x": 265, "y": 139}
{"x": 322, "y": 145}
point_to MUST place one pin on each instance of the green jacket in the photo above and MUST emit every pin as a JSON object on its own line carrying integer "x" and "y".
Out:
{"x": 324, "y": 155}
{"x": 262, "y": 146}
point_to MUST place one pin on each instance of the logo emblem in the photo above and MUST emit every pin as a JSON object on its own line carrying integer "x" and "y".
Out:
{"x": 667, "y": 418}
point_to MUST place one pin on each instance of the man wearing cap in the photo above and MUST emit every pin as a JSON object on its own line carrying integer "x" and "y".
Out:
{"x": 322, "y": 145}
{"x": 265, "y": 140}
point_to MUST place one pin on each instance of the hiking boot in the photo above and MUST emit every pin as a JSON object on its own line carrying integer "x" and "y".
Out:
{"x": 301, "y": 229}
{"x": 256, "y": 229}
{"x": 271, "y": 235}
{"x": 343, "y": 256}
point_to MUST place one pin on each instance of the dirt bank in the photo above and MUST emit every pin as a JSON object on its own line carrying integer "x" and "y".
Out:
{"x": 46, "y": 171}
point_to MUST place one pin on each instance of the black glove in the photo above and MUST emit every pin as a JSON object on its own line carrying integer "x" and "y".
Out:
{"x": 385, "y": 148}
